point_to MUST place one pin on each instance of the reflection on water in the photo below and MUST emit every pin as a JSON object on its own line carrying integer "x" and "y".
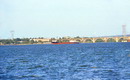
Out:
{"x": 99, "y": 61}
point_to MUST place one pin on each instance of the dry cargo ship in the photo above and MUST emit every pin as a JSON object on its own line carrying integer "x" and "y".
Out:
{"x": 71, "y": 42}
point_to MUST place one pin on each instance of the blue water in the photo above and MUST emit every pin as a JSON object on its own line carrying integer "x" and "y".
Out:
{"x": 98, "y": 61}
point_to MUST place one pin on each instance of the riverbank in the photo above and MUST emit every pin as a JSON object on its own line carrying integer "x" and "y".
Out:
{"x": 51, "y": 43}
{"x": 21, "y": 44}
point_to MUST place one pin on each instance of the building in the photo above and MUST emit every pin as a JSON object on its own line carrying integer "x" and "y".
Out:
{"x": 42, "y": 40}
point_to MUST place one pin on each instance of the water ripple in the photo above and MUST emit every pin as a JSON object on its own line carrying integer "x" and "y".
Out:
{"x": 97, "y": 61}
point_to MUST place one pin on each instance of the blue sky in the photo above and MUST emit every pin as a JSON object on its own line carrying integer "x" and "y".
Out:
{"x": 57, "y": 18}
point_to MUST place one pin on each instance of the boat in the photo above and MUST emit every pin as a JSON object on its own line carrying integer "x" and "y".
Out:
{"x": 128, "y": 40}
{"x": 71, "y": 42}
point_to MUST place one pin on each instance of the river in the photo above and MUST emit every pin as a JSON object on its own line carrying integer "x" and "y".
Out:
{"x": 87, "y": 61}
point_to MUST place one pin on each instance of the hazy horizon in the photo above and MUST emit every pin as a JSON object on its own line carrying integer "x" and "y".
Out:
{"x": 58, "y": 18}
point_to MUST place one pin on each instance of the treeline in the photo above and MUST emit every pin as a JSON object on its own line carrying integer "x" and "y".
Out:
{"x": 17, "y": 41}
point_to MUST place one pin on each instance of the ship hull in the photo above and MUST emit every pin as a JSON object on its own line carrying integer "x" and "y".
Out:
{"x": 65, "y": 42}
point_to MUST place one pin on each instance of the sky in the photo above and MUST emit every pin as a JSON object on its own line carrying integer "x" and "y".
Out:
{"x": 58, "y": 18}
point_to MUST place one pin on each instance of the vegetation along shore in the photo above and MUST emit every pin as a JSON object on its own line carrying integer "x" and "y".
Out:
{"x": 41, "y": 40}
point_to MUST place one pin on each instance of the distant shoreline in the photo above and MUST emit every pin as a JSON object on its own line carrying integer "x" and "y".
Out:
{"x": 50, "y": 43}
{"x": 16, "y": 44}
